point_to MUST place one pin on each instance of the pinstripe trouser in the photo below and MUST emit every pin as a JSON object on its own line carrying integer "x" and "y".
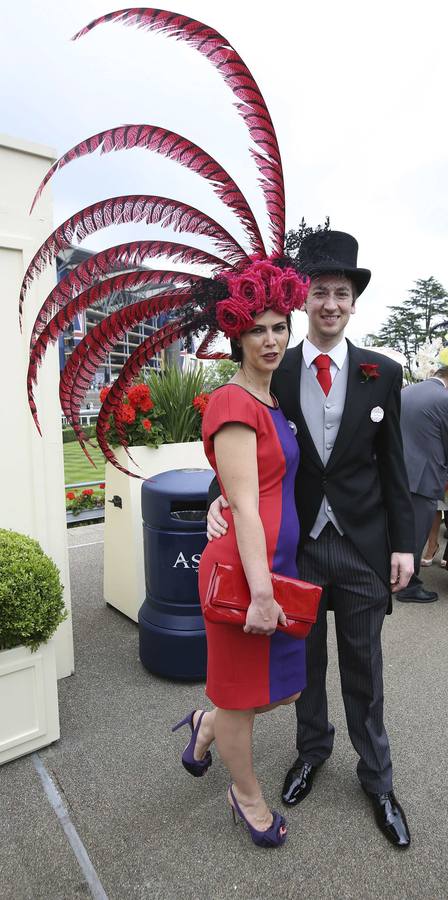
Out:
{"x": 359, "y": 599}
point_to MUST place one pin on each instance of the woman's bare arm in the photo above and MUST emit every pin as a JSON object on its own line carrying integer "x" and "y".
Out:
{"x": 236, "y": 458}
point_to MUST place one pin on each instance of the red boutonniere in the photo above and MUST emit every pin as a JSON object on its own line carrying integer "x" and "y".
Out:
{"x": 369, "y": 370}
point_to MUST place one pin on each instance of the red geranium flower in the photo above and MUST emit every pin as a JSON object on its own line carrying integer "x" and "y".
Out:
{"x": 139, "y": 394}
{"x": 200, "y": 402}
{"x": 126, "y": 414}
{"x": 147, "y": 424}
{"x": 87, "y": 492}
{"x": 146, "y": 404}
{"x": 103, "y": 393}
{"x": 70, "y": 495}
{"x": 102, "y": 486}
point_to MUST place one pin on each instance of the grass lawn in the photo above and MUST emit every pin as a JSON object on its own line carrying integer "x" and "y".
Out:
{"x": 77, "y": 467}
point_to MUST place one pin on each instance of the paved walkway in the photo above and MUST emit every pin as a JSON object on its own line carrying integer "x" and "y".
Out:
{"x": 143, "y": 828}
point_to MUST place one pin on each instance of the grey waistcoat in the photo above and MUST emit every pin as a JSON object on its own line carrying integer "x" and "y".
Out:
{"x": 323, "y": 417}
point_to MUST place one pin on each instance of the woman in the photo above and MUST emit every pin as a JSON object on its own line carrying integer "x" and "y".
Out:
{"x": 432, "y": 544}
{"x": 254, "y": 453}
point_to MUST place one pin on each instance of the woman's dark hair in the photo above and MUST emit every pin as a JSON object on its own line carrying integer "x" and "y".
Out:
{"x": 237, "y": 351}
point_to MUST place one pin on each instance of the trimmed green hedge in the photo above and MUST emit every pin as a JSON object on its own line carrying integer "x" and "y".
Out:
{"x": 31, "y": 604}
{"x": 68, "y": 435}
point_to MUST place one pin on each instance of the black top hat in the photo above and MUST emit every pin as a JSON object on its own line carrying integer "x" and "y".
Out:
{"x": 328, "y": 252}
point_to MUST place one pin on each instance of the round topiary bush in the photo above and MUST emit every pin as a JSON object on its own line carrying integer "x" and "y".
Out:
{"x": 31, "y": 605}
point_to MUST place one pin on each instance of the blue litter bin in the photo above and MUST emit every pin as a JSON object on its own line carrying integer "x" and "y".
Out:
{"x": 171, "y": 628}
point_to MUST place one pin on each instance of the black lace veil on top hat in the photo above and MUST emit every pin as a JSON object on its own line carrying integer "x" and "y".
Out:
{"x": 332, "y": 252}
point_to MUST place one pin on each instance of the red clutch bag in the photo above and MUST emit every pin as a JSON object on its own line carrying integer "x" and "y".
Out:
{"x": 228, "y": 600}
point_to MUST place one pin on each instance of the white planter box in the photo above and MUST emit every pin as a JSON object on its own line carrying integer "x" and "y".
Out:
{"x": 29, "y": 714}
{"x": 124, "y": 570}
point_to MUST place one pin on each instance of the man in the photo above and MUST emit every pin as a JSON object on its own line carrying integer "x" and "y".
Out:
{"x": 424, "y": 426}
{"x": 356, "y": 519}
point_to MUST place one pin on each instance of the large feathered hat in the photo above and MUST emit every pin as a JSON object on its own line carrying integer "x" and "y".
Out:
{"x": 245, "y": 280}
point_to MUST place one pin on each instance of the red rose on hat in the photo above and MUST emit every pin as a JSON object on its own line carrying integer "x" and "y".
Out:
{"x": 248, "y": 290}
{"x": 233, "y": 318}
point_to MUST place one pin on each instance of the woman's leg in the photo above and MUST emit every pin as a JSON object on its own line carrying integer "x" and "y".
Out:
{"x": 233, "y": 732}
{"x": 285, "y": 702}
{"x": 433, "y": 537}
{"x": 206, "y": 734}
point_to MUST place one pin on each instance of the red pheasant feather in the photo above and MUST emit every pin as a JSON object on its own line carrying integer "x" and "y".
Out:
{"x": 202, "y": 351}
{"x": 120, "y": 257}
{"x": 237, "y": 76}
{"x": 156, "y": 342}
{"x": 140, "y": 357}
{"x": 91, "y": 352}
{"x": 173, "y": 146}
{"x": 99, "y": 292}
{"x": 131, "y": 208}
{"x": 79, "y": 289}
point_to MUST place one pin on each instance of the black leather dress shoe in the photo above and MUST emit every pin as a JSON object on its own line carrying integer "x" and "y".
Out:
{"x": 416, "y": 595}
{"x": 298, "y": 782}
{"x": 390, "y": 818}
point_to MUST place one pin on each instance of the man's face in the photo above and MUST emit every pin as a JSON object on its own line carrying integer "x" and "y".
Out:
{"x": 329, "y": 305}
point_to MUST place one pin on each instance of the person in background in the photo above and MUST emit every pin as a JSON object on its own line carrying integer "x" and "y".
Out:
{"x": 432, "y": 545}
{"x": 424, "y": 425}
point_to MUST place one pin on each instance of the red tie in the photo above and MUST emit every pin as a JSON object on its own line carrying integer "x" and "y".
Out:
{"x": 323, "y": 371}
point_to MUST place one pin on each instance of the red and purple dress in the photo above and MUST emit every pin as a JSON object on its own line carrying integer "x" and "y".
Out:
{"x": 247, "y": 670}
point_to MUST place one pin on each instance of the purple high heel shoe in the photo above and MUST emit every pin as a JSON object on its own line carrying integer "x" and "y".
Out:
{"x": 274, "y": 836}
{"x": 196, "y": 767}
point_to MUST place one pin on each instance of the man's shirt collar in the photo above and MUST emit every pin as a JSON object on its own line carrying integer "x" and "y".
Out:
{"x": 337, "y": 354}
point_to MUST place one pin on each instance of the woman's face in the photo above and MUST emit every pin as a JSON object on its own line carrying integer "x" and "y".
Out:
{"x": 263, "y": 346}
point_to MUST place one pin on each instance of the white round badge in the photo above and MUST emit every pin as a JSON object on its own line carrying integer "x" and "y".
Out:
{"x": 292, "y": 426}
{"x": 377, "y": 414}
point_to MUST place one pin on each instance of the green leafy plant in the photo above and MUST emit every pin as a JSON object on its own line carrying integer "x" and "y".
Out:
{"x": 31, "y": 604}
{"x": 174, "y": 393}
{"x": 164, "y": 408}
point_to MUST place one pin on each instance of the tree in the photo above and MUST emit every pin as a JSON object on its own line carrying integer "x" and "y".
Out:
{"x": 218, "y": 373}
{"x": 422, "y": 315}
{"x": 431, "y": 299}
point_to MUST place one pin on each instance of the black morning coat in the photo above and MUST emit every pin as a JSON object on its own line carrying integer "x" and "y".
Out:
{"x": 365, "y": 478}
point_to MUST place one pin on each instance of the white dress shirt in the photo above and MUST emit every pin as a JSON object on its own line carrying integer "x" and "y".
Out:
{"x": 337, "y": 355}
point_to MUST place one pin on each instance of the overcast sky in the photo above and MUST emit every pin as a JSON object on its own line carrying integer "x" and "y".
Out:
{"x": 356, "y": 91}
